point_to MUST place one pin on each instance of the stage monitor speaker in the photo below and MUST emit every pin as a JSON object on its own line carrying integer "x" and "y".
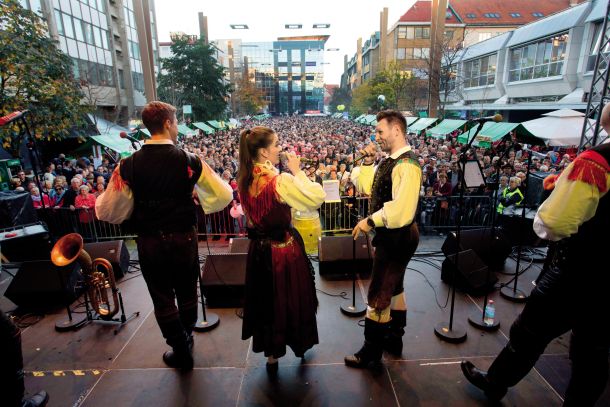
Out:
{"x": 239, "y": 245}
{"x": 16, "y": 209}
{"x": 492, "y": 252}
{"x": 535, "y": 193}
{"x": 115, "y": 251}
{"x": 224, "y": 279}
{"x": 336, "y": 257}
{"x": 40, "y": 285}
{"x": 26, "y": 243}
{"x": 470, "y": 275}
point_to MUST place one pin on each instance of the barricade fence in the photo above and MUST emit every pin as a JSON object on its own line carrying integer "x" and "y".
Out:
{"x": 433, "y": 214}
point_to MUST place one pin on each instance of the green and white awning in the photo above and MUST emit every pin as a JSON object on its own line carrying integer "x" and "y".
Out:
{"x": 445, "y": 127}
{"x": 202, "y": 126}
{"x": 422, "y": 124}
{"x": 492, "y": 132}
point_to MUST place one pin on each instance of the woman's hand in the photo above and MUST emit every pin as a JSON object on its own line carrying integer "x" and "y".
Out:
{"x": 293, "y": 163}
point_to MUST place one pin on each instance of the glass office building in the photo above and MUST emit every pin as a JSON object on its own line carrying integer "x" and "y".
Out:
{"x": 290, "y": 71}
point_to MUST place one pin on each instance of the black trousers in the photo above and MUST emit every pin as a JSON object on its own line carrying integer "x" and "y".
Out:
{"x": 11, "y": 367}
{"x": 389, "y": 266}
{"x": 563, "y": 300}
{"x": 170, "y": 266}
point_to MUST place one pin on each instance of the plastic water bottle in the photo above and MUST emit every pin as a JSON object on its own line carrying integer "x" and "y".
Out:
{"x": 490, "y": 312}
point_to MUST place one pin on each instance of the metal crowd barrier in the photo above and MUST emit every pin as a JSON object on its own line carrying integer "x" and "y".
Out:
{"x": 335, "y": 217}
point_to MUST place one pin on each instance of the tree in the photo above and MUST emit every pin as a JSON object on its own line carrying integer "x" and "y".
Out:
{"x": 248, "y": 98}
{"x": 36, "y": 76}
{"x": 340, "y": 96}
{"x": 192, "y": 76}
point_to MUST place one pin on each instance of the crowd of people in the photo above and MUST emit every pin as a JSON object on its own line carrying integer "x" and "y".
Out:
{"x": 327, "y": 147}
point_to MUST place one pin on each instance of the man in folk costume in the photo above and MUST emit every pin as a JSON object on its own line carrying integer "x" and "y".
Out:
{"x": 394, "y": 188}
{"x": 571, "y": 294}
{"x": 154, "y": 189}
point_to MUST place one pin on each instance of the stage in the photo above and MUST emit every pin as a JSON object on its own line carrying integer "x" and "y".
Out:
{"x": 94, "y": 367}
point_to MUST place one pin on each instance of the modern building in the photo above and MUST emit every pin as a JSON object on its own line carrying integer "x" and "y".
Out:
{"x": 290, "y": 71}
{"x": 114, "y": 47}
{"x": 542, "y": 66}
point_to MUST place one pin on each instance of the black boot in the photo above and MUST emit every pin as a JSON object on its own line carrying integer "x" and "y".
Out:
{"x": 393, "y": 340}
{"x": 39, "y": 399}
{"x": 181, "y": 355}
{"x": 370, "y": 353}
{"x": 481, "y": 380}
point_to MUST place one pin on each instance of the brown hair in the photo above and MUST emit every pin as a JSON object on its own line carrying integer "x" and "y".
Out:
{"x": 250, "y": 141}
{"x": 393, "y": 117}
{"x": 155, "y": 114}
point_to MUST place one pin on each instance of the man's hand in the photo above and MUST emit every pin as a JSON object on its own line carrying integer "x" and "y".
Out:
{"x": 363, "y": 227}
{"x": 370, "y": 151}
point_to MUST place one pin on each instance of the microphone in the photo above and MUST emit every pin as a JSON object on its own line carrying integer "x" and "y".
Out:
{"x": 134, "y": 141}
{"x": 363, "y": 156}
{"x": 495, "y": 118}
{"x": 284, "y": 157}
{"x": 9, "y": 118}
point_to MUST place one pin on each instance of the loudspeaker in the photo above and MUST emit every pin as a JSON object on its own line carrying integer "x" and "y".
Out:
{"x": 336, "y": 255}
{"x": 41, "y": 285}
{"x": 223, "y": 279}
{"x": 535, "y": 193}
{"x": 25, "y": 243}
{"x": 239, "y": 245}
{"x": 115, "y": 251}
{"x": 16, "y": 209}
{"x": 493, "y": 252}
{"x": 470, "y": 274}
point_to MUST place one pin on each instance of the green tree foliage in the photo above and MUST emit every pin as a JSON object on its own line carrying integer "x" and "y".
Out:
{"x": 341, "y": 96}
{"x": 248, "y": 98}
{"x": 193, "y": 77}
{"x": 35, "y": 75}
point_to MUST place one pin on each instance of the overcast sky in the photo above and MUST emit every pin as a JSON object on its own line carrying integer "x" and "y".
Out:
{"x": 348, "y": 19}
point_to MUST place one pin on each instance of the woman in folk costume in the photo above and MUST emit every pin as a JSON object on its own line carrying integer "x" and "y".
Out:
{"x": 280, "y": 301}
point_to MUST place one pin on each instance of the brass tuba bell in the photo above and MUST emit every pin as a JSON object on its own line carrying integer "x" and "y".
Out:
{"x": 100, "y": 282}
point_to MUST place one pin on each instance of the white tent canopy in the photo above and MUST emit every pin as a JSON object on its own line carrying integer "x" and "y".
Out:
{"x": 559, "y": 128}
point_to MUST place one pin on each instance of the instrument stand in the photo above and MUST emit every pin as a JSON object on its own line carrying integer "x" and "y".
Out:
{"x": 205, "y": 321}
{"x": 353, "y": 309}
{"x": 90, "y": 316}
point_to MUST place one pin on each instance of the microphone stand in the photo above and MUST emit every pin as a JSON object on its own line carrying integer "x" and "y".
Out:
{"x": 446, "y": 330}
{"x": 515, "y": 294}
{"x": 353, "y": 310}
{"x": 474, "y": 319}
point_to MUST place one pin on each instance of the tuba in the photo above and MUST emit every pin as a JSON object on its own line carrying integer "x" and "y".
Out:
{"x": 101, "y": 286}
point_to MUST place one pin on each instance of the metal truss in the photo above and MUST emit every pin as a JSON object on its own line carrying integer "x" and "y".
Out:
{"x": 598, "y": 95}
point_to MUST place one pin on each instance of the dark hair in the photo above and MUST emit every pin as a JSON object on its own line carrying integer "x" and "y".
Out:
{"x": 250, "y": 141}
{"x": 393, "y": 117}
{"x": 155, "y": 114}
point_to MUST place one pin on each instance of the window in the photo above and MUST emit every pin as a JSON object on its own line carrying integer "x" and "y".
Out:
{"x": 537, "y": 14}
{"x": 515, "y": 15}
{"x": 422, "y": 32}
{"x": 471, "y": 15}
{"x": 449, "y": 34}
{"x": 596, "y": 40}
{"x": 402, "y": 32}
{"x": 480, "y": 71}
{"x": 538, "y": 60}
{"x": 410, "y": 33}
{"x": 492, "y": 15}
{"x": 400, "y": 53}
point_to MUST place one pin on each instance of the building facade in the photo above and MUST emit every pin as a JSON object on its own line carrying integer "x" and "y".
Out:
{"x": 539, "y": 67}
{"x": 102, "y": 38}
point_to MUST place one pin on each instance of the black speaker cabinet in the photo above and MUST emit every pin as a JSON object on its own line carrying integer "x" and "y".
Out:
{"x": 470, "y": 274}
{"x": 535, "y": 193}
{"x": 115, "y": 251}
{"x": 239, "y": 245}
{"x": 337, "y": 257}
{"x": 41, "y": 285}
{"x": 224, "y": 279}
{"x": 16, "y": 209}
{"x": 493, "y": 252}
{"x": 26, "y": 243}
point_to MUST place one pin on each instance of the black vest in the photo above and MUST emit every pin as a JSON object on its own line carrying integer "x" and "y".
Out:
{"x": 381, "y": 192}
{"x": 590, "y": 243}
{"x": 162, "y": 178}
